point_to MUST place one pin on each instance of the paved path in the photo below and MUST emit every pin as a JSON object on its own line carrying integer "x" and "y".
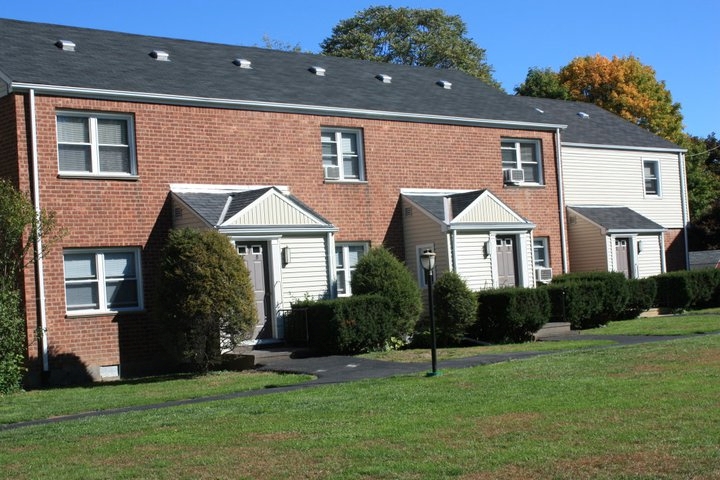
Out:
{"x": 340, "y": 369}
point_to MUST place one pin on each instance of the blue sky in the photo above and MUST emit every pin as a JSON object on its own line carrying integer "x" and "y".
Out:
{"x": 679, "y": 39}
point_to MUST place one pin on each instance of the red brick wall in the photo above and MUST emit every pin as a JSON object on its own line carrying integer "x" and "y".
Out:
{"x": 212, "y": 146}
{"x": 675, "y": 250}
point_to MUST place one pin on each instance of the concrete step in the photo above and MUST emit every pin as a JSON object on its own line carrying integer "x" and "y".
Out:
{"x": 553, "y": 329}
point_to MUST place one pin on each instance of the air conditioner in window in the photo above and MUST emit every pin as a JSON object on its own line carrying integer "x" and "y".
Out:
{"x": 513, "y": 176}
{"x": 543, "y": 274}
{"x": 332, "y": 172}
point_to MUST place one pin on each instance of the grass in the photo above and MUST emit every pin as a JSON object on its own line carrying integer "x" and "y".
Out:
{"x": 37, "y": 404}
{"x": 641, "y": 412}
{"x": 704, "y": 321}
{"x": 423, "y": 355}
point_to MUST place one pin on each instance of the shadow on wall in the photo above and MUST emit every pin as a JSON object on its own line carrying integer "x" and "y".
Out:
{"x": 394, "y": 240}
{"x": 65, "y": 369}
{"x": 675, "y": 255}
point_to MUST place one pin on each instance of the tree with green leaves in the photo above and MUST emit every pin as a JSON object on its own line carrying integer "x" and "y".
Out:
{"x": 622, "y": 85}
{"x": 205, "y": 300}
{"x": 543, "y": 83}
{"x": 419, "y": 37}
{"x": 19, "y": 229}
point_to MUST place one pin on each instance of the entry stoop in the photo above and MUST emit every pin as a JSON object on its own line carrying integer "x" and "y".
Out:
{"x": 553, "y": 329}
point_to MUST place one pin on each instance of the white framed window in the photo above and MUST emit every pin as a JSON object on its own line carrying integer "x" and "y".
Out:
{"x": 541, "y": 255}
{"x": 95, "y": 145}
{"x": 102, "y": 280}
{"x": 651, "y": 177}
{"x": 347, "y": 255}
{"x": 342, "y": 154}
{"x": 523, "y": 155}
{"x": 419, "y": 249}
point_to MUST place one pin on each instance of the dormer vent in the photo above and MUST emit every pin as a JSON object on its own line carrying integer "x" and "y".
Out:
{"x": 539, "y": 110}
{"x": 242, "y": 63}
{"x": 384, "y": 78}
{"x": 66, "y": 45}
{"x": 319, "y": 71}
{"x": 583, "y": 115}
{"x": 444, "y": 84}
{"x": 160, "y": 55}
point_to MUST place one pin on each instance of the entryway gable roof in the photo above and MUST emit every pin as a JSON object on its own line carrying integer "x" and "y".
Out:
{"x": 617, "y": 219}
{"x": 483, "y": 208}
{"x": 265, "y": 207}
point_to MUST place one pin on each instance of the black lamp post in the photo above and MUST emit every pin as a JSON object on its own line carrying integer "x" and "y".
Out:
{"x": 427, "y": 259}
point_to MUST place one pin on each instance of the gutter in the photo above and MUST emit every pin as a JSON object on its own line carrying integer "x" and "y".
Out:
{"x": 561, "y": 200}
{"x": 685, "y": 207}
{"x": 97, "y": 93}
{"x": 39, "y": 267}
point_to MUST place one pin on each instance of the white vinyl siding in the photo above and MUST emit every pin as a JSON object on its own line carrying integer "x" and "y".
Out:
{"x": 649, "y": 255}
{"x": 473, "y": 266}
{"x": 615, "y": 177}
{"x": 306, "y": 275}
{"x": 342, "y": 155}
{"x": 420, "y": 229}
{"x": 95, "y": 145}
{"x": 103, "y": 280}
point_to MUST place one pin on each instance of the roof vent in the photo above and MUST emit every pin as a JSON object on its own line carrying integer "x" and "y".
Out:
{"x": 66, "y": 45}
{"x": 160, "y": 55}
{"x": 243, "y": 63}
{"x": 445, "y": 84}
{"x": 319, "y": 71}
{"x": 583, "y": 115}
{"x": 384, "y": 78}
{"x": 539, "y": 110}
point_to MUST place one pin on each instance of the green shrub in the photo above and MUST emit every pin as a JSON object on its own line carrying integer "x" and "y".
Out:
{"x": 12, "y": 340}
{"x": 599, "y": 297}
{"x": 642, "y": 292}
{"x": 455, "y": 308}
{"x": 379, "y": 272}
{"x": 205, "y": 301}
{"x": 683, "y": 290}
{"x": 509, "y": 315}
{"x": 572, "y": 302}
{"x": 347, "y": 326}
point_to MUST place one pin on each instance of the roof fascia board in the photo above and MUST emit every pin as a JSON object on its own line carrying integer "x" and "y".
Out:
{"x": 495, "y": 227}
{"x": 213, "y": 188}
{"x": 242, "y": 230}
{"x": 623, "y": 147}
{"x": 275, "y": 106}
{"x": 627, "y": 231}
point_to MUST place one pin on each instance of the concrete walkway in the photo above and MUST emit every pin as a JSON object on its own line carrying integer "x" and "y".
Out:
{"x": 340, "y": 369}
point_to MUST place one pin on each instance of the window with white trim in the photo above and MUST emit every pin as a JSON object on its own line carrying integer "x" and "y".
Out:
{"x": 541, "y": 256}
{"x": 651, "y": 177}
{"x": 103, "y": 280}
{"x": 347, "y": 255}
{"x": 342, "y": 155}
{"x": 95, "y": 145}
{"x": 523, "y": 155}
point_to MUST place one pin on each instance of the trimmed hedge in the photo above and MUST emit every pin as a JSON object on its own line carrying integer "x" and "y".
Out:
{"x": 455, "y": 309}
{"x": 590, "y": 299}
{"x": 510, "y": 315}
{"x": 347, "y": 325}
{"x": 685, "y": 290}
{"x": 642, "y": 292}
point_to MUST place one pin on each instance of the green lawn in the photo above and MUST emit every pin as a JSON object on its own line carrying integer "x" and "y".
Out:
{"x": 643, "y": 412}
{"x": 704, "y": 321}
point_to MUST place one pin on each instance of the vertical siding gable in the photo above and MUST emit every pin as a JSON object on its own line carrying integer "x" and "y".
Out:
{"x": 271, "y": 209}
{"x": 487, "y": 209}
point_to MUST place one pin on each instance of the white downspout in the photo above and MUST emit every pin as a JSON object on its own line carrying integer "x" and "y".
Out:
{"x": 39, "y": 269}
{"x": 685, "y": 208}
{"x": 561, "y": 200}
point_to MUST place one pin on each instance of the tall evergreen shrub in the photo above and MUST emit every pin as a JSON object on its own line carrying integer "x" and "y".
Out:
{"x": 455, "y": 308}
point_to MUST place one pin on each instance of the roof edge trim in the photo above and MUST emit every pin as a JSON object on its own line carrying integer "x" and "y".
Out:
{"x": 624, "y": 147}
{"x": 98, "y": 93}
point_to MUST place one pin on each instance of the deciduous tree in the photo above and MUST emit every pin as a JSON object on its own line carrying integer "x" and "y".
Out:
{"x": 421, "y": 37}
{"x": 543, "y": 83}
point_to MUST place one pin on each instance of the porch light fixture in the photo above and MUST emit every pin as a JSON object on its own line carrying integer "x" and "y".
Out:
{"x": 427, "y": 260}
{"x": 286, "y": 256}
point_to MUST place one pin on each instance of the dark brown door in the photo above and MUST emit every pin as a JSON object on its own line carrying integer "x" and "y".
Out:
{"x": 506, "y": 261}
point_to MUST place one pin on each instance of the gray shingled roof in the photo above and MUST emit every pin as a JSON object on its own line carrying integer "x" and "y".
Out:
{"x": 705, "y": 259}
{"x": 435, "y": 204}
{"x": 597, "y": 127}
{"x": 115, "y": 64}
{"x": 618, "y": 218}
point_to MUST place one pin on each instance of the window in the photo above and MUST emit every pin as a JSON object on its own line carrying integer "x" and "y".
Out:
{"x": 98, "y": 145}
{"x": 342, "y": 155}
{"x": 346, "y": 258}
{"x": 523, "y": 155}
{"x": 651, "y": 175}
{"x": 105, "y": 280}
{"x": 540, "y": 252}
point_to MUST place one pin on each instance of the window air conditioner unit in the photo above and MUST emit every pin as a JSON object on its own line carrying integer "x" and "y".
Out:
{"x": 513, "y": 176}
{"x": 332, "y": 172}
{"x": 543, "y": 274}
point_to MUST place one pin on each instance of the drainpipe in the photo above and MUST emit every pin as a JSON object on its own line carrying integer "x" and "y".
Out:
{"x": 561, "y": 200}
{"x": 39, "y": 270}
{"x": 684, "y": 203}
